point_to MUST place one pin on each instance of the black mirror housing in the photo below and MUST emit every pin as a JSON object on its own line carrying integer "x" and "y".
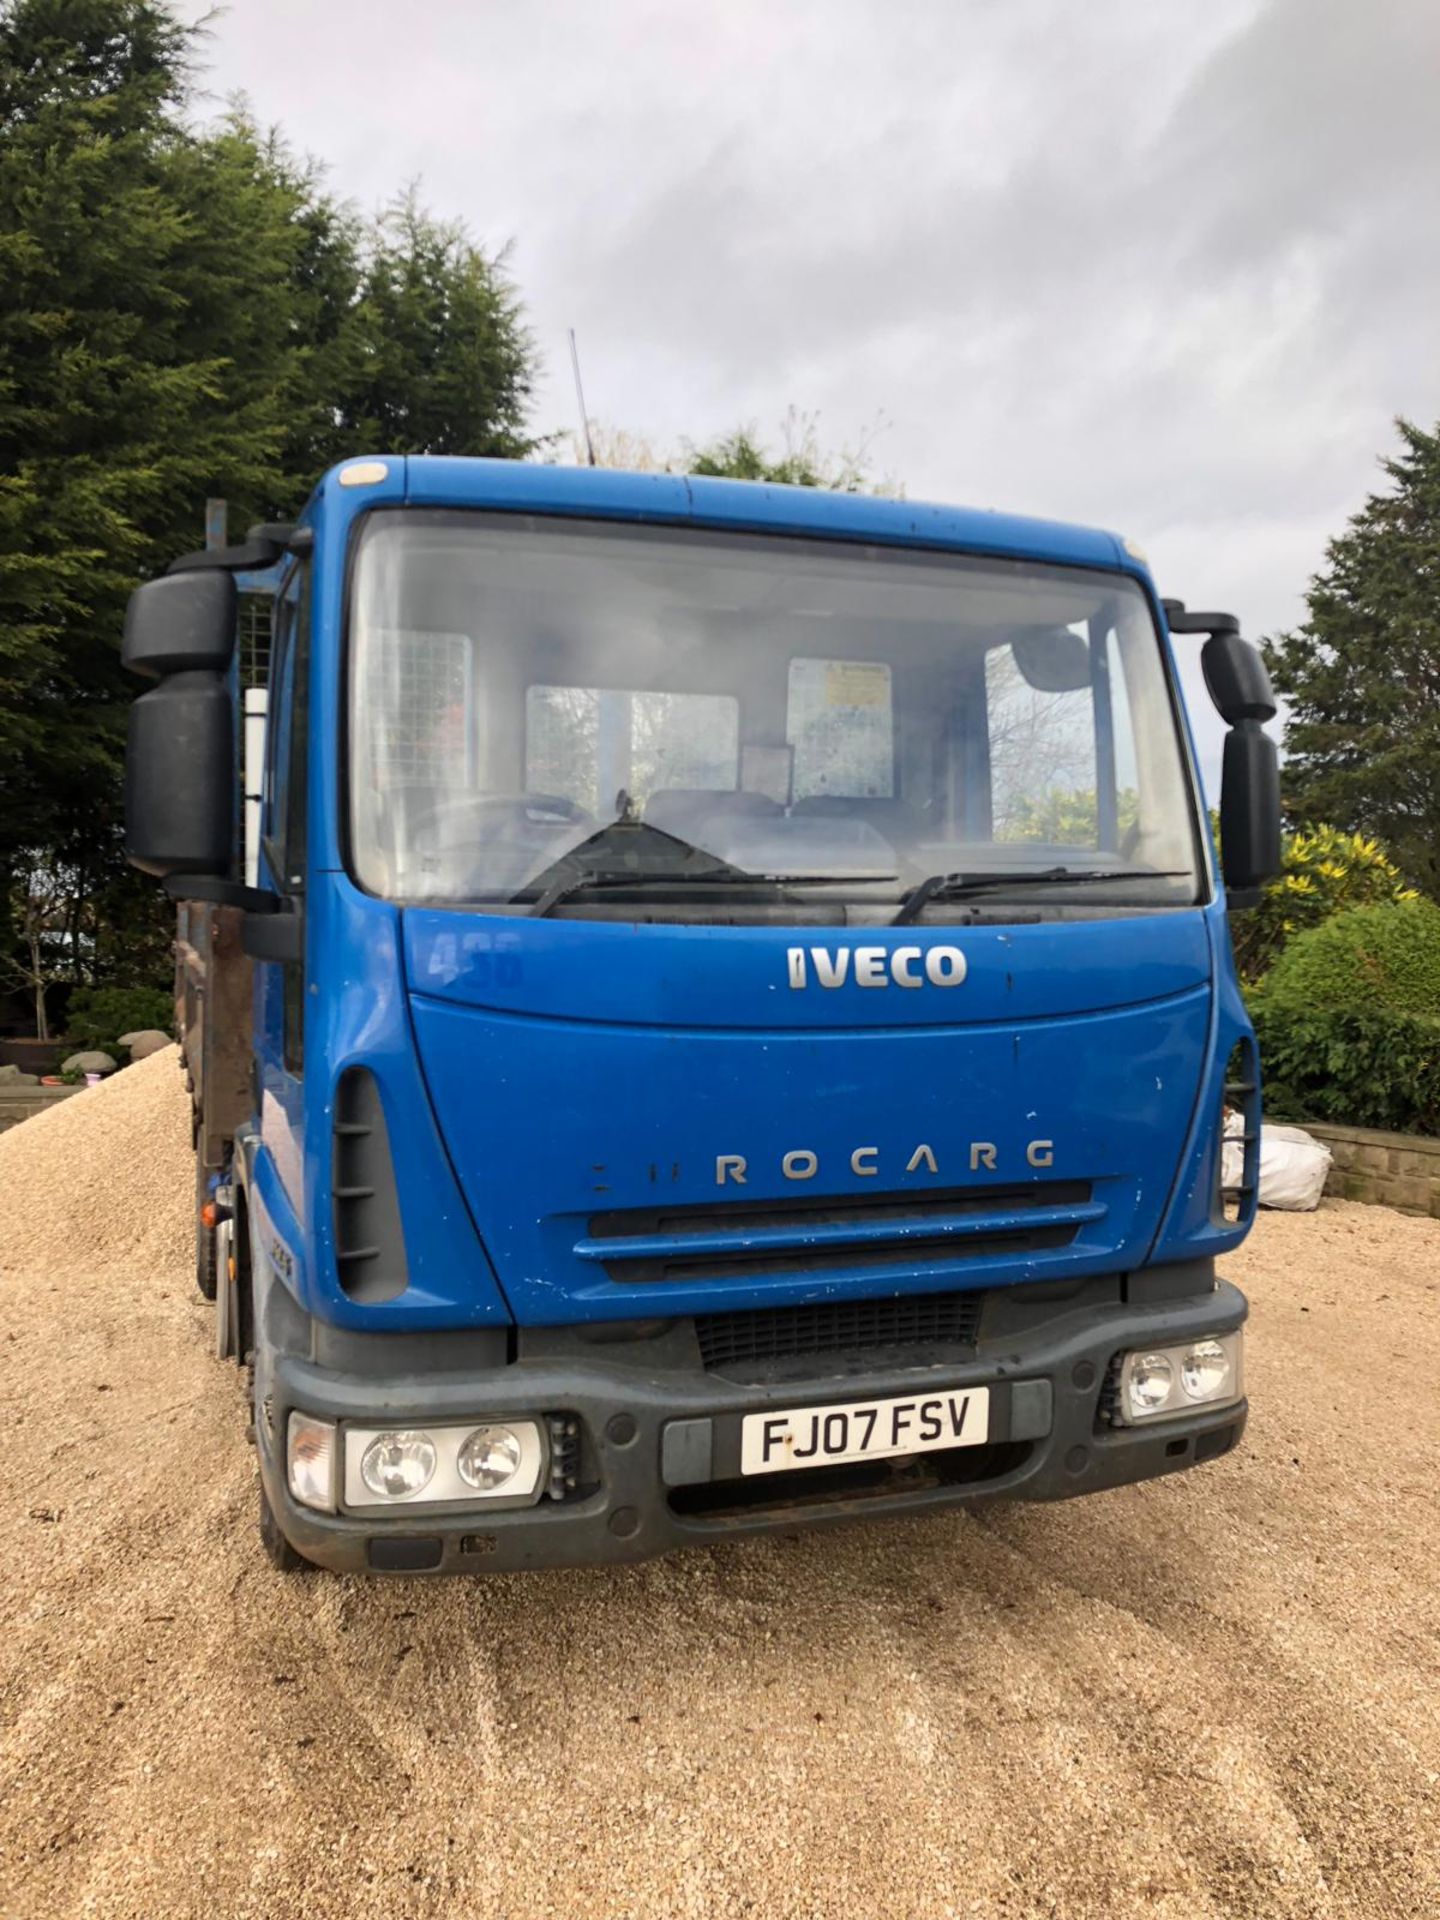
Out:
{"x": 1238, "y": 683}
{"x": 180, "y": 777}
{"x": 1249, "y": 813}
{"x": 1237, "y": 679}
{"x": 181, "y": 623}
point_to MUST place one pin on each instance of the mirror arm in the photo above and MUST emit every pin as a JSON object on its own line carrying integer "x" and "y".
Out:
{"x": 273, "y": 927}
{"x": 1180, "y": 621}
{"x": 215, "y": 891}
{"x": 275, "y": 936}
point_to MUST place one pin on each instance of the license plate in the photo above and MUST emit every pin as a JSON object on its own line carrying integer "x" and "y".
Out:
{"x": 864, "y": 1430}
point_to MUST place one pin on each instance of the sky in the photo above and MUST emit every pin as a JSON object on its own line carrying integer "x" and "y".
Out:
{"x": 1168, "y": 269}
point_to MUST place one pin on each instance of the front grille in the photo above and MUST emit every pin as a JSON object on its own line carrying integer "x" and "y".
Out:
{"x": 910, "y": 1478}
{"x": 837, "y": 1233}
{"x": 910, "y": 1256}
{"x": 837, "y": 1326}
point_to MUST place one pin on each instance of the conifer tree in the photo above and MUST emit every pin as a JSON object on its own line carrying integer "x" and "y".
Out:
{"x": 1361, "y": 677}
{"x": 186, "y": 314}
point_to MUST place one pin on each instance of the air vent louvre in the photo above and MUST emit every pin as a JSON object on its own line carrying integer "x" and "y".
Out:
{"x": 369, "y": 1238}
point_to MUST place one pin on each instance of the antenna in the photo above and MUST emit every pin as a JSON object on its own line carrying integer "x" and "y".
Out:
{"x": 580, "y": 397}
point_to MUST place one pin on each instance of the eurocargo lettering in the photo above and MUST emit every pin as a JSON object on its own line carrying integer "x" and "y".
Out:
{"x": 709, "y": 1007}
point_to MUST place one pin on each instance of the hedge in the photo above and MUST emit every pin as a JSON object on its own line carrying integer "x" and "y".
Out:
{"x": 1373, "y": 957}
{"x": 1351, "y": 1066}
{"x": 97, "y": 1016}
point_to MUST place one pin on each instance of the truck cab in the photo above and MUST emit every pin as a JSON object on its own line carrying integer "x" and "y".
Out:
{"x": 729, "y": 1019}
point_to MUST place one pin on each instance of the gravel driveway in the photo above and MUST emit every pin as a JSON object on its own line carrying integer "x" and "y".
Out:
{"x": 1217, "y": 1694}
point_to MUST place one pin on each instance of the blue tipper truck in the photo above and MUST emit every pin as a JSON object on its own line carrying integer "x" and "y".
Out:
{"x": 726, "y": 1018}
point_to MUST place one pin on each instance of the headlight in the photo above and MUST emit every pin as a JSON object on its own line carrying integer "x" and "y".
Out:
{"x": 1150, "y": 1381}
{"x": 489, "y": 1458}
{"x": 1159, "y": 1382}
{"x": 453, "y": 1466}
{"x": 397, "y": 1466}
{"x": 1205, "y": 1370}
{"x": 311, "y": 1461}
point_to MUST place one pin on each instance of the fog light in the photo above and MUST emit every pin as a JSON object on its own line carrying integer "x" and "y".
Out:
{"x": 489, "y": 1458}
{"x": 397, "y": 1466}
{"x": 1149, "y": 1382}
{"x": 1205, "y": 1370}
{"x": 311, "y": 1463}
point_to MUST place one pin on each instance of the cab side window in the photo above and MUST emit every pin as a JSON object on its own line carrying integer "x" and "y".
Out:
{"x": 287, "y": 787}
{"x": 286, "y": 796}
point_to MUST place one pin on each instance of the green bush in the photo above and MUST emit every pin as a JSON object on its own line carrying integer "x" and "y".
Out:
{"x": 1379, "y": 958}
{"x": 1067, "y": 817}
{"x": 1351, "y": 1066}
{"x": 1325, "y": 871}
{"x": 99, "y": 1015}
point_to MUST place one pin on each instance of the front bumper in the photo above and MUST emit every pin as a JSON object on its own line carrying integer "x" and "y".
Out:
{"x": 656, "y": 1463}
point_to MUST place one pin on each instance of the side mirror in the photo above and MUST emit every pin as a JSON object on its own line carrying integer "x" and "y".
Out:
{"x": 1249, "y": 813}
{"x": 1237, "y": 680}
{"x": 180, "y": 777}
{"x": 1239, "y": 685}
{"x": 180, "y": 780}
{"x": 181, "y": 623}
{"x": 1051, "y": 659}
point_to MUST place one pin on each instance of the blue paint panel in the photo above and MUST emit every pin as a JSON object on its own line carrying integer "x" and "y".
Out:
{"x": 1188, "y": 1230}
{"x": 552, "y": 1122}
{"x": 738, "y": 977}
{"x": 276, "y": 1232}
{"x": 360, "y": 1018}
{"x": 671, "y": 498}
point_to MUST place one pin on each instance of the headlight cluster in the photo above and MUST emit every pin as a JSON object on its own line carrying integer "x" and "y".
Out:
{"x": 414, "y": 1466}
{"x": 1159, "y": 1382}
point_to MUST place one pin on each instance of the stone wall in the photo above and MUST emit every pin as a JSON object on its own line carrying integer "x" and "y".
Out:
{"x": 17, "y": 1103}
{"x": 33, "y": 1056}
{"x": 1399, "y": 1170}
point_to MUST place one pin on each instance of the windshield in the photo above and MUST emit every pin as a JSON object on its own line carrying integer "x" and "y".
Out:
{"x": 600, "y": 720}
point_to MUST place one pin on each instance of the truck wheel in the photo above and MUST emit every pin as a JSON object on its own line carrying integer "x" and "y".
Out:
{"x": 206, "y": 1266}
{"x": 278, "y": 1550}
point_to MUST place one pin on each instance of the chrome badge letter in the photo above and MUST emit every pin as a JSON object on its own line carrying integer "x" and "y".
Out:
{"x": 875, "y": 966}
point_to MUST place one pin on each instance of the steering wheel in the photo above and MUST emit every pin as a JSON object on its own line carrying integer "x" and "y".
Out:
{"x": 479, "y": 841}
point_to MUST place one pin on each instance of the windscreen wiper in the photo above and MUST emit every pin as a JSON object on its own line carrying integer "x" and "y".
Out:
{"x": 635, "y": 853}
{"x": 957, "y": 886}
{"x": 620, "y": 879}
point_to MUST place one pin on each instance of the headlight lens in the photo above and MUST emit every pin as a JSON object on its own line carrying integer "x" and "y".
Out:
{"x": 489, "y": 1458}
{"x": 1151, "y": 1378}
{"x": 397, "y": 1466}
{"x": 1204, "y": 1370}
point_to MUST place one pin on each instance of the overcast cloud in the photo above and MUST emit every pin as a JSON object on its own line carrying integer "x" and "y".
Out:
{"x": 1167, "y": 268}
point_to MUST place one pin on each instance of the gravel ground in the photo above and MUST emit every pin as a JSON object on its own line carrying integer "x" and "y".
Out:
{"x": 1215, "y": 1695}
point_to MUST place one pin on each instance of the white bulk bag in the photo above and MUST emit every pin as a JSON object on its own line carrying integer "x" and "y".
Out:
{"x": 1293, "y": 1165}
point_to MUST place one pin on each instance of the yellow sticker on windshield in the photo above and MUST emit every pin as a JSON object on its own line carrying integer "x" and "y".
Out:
{"x": 856, "y": 683}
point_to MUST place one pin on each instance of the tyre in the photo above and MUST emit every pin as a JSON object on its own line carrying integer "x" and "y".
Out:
{"x": 278, "y": 1550}
{"x": 206, "y": 1266}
